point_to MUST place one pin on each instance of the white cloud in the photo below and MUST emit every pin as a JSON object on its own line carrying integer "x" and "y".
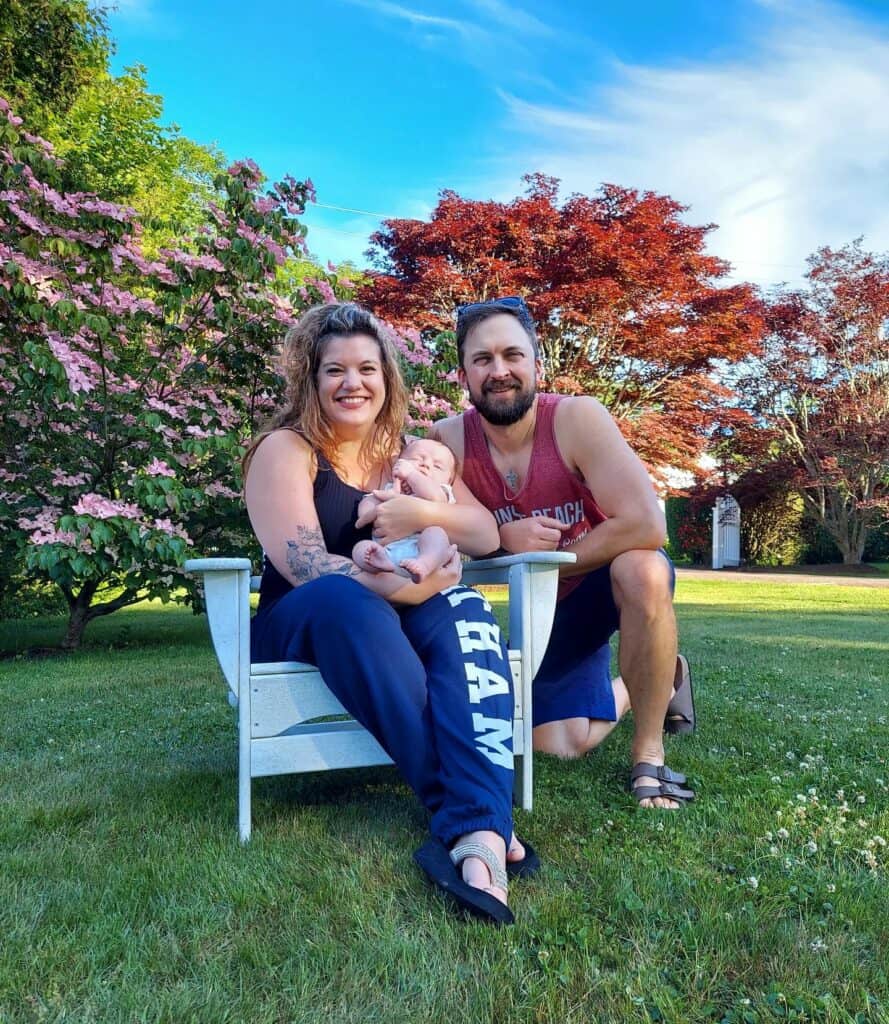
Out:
{"x": 415, "y": 18}
{"x": 786, "y": 149}
{"x": 511, "y": 17}
{"x": 491, "y": 33}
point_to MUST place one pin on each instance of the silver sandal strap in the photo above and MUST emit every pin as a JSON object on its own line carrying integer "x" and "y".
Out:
{"x": 484, "y": 853}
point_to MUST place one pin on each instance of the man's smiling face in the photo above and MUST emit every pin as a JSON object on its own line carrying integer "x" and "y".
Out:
{"x": 499, "y": 369}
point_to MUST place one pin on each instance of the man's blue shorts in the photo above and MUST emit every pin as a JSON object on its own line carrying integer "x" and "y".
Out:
{"x": 574, "y": 680}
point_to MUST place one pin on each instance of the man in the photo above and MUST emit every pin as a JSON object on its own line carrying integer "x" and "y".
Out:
{"x": 557, "y": 473}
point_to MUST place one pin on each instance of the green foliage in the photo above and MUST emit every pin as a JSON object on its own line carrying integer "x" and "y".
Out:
{"x": 22, "y": 597}
{"x": 771, "y": 530}
{"x": 49, "y": 49}
{"x": 113, "y": 143}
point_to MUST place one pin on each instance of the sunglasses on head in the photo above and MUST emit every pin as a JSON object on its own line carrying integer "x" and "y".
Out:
{"x": 511, "y": 303}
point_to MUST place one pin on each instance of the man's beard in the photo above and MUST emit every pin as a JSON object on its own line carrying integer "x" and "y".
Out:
{"x": 500, "y": 413}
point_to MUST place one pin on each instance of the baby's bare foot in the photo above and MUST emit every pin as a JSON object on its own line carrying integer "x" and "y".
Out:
{"x": 375, "y": 558}
{"x": 419, "y": 568}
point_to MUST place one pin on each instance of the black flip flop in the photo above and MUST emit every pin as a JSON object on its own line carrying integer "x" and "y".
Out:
{"x": 434, "y": 859}
{"x": 528, "y": 866}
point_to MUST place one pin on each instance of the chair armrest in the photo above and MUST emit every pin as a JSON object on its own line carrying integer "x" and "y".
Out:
{"x": 217, "y": 564}
{"x": 500, "y": 565}
{"x": 533, "y": 580}
{"x": 227, "y": 596}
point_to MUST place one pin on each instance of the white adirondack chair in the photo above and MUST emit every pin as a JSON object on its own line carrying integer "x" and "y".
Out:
{"x": 279, "y": 703}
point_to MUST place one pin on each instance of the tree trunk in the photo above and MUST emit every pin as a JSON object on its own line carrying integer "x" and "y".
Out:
{"x": 78, "y": 616}
{"x": 82, "y": 612}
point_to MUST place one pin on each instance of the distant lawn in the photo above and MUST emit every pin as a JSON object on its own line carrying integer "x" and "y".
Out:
{"x": 126, "y": 896}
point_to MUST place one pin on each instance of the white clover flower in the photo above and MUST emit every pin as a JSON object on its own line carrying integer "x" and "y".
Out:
{"x": 811, "y": 846}
{"x": 861, "y": 823}
{"x": 801, "y": 797}
{"x": 753, "y": 882}
{"x": 861, "y": 798}
{"x": 880, "y": 841}
{"x": 790, "y": 755}
{"x": 818, "y": 946}
{"x": 776, "y": 778}
{"x": 812, "y": 791}
{"x": 769, "y": 837}
{"x": 841, "y": 794}
{"x": 773, "y": 850}
{"x": 783, "y": 833}
{"x": 831, "y": 887}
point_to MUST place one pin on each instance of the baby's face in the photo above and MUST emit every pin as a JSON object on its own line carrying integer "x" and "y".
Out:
{"x": 432, "y": 459}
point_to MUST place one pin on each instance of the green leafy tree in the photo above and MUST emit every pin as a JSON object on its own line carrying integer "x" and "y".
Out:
{"x": 114, "y": 144}
{"x": 49, "y": 49}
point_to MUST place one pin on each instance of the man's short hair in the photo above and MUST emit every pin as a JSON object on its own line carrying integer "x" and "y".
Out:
{"x": 474, "y": 313}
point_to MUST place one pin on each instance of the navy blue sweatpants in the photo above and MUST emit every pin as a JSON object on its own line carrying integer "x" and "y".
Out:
{"x": 431, "y": 682}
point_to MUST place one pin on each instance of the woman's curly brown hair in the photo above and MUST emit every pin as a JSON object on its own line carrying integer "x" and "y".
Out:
{"x": 301, "y": 354}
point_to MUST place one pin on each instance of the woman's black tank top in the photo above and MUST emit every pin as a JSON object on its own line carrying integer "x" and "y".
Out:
{"x": 337, "y": 506}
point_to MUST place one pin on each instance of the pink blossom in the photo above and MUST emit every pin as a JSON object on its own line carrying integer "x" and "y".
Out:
{"x": 170, "y": 528}
{"x": 247, "y": 170}
{"x": 218, "y": 490}
{"x": 75, "y": 364}
{"x": 61, "y": 479}
{"x": 104, "y": 508}
{"x": 158, "y": 468}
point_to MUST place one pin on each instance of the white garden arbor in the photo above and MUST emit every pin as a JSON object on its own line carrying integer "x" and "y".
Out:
{"x": 726, "y": 533}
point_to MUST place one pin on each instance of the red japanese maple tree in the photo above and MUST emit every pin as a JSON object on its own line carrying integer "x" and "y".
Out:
{"x": 629, "y": 306}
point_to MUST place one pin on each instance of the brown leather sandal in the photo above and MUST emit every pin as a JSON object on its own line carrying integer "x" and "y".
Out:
{"x": 670, "y": 784}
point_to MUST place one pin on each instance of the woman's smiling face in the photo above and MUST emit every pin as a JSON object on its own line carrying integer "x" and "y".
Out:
{"x": 351, "y": 386}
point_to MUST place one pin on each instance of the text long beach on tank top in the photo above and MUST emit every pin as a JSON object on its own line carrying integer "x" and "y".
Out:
{"x": 550, "y": 488}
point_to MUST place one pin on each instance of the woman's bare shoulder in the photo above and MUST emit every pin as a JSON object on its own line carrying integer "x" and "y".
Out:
{"x": 285, "y": 448}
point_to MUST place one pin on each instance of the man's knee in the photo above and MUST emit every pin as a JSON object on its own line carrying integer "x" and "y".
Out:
{"x": 642, "y": 580}
{"x": 565, "y": 739}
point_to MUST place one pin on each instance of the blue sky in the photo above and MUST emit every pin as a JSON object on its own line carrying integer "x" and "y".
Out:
{"x": 767, "y": 117}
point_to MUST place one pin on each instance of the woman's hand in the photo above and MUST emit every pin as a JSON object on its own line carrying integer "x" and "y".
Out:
{"x": 397, "y": 516}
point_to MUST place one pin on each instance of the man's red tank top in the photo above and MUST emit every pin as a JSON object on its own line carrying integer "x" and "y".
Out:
{"x": 549, "y": 489}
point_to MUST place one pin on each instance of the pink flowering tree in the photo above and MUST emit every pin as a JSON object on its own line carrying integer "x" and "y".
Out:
{"x": 128, "y": 385}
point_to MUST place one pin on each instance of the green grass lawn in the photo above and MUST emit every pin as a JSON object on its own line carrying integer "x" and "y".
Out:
{"x": 126, "y": 896}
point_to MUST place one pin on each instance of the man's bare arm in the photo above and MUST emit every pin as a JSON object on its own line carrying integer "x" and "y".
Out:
{"x": 591, "y": 442}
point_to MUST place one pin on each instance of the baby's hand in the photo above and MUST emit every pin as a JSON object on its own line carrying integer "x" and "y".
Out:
{"x": 401, "y": 472}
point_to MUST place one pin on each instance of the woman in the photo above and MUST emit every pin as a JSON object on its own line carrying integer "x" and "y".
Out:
{"x": 420, "y": 665}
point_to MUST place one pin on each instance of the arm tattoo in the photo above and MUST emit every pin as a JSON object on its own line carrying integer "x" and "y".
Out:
{"x": 308, "y": 557}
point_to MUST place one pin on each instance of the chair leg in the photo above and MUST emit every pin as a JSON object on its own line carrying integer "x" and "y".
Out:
{"x": 524, "y": 773}
{"x": 244, "y": 799}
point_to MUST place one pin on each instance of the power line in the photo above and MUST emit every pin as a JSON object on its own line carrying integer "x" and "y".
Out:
{"x": 349, "y": 209}
{"x": 337, "y": 231}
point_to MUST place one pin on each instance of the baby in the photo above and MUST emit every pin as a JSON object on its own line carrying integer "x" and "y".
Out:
{"x": 425, "y": 469}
